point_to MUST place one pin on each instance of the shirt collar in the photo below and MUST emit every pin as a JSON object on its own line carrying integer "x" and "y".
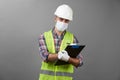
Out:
{"x": 54, "y": 33}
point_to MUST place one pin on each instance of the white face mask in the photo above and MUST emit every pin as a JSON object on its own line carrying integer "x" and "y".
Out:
{"x": 61, "y": 26}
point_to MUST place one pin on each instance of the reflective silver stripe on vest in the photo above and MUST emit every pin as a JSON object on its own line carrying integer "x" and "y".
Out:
{"x": 47, "y": 72}
{"x": 64, "y": 74}
{"x": 56, "y": 73}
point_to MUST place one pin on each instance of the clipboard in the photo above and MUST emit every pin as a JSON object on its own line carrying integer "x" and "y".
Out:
{"x": 73, "y": 51}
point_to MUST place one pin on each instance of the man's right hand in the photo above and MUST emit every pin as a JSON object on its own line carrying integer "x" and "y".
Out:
{"x": 63, "y": 55}
{"x": 60, "y": 54}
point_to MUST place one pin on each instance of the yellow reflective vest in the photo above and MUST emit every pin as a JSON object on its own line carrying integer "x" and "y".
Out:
{"x": 48, "y": 70}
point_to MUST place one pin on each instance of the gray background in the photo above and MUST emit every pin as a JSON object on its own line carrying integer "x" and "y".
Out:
{"x": 96, "y": 23}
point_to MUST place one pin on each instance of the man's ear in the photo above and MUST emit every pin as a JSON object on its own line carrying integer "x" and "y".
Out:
{"x": 55, "y": 19}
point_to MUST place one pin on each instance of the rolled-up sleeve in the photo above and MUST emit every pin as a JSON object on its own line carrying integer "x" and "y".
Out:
{"x": 80, "y": 57}
{"x": 42, "y": 48}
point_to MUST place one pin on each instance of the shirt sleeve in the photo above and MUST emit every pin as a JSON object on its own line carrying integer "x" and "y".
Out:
{"x": 42, "y": 48}
{"x": 80, "y": 57}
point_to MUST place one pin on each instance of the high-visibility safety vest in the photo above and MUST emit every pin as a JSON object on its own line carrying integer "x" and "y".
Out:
{"x": 48, "y": 70}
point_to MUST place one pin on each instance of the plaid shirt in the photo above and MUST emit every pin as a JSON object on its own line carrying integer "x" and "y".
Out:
{"x": 57, "y": 40}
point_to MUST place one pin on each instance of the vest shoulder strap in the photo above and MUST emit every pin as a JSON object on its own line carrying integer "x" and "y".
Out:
{"x": 49, "y": 41}
{"x": 68, "y": 39}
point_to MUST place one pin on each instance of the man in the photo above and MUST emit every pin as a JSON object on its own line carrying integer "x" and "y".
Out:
{"x": 52, "y": 45}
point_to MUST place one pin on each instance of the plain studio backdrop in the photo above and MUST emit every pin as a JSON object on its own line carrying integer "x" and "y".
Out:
{"x": 96, "y": 24}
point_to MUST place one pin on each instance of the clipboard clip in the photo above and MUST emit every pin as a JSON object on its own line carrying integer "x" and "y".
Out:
{"x": 73, "y": 45}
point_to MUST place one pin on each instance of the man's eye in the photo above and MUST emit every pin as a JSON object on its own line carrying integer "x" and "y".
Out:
{"x": 61, "y": 19}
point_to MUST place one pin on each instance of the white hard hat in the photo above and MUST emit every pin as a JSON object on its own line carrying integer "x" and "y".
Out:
{"x": 64, "y": 11}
